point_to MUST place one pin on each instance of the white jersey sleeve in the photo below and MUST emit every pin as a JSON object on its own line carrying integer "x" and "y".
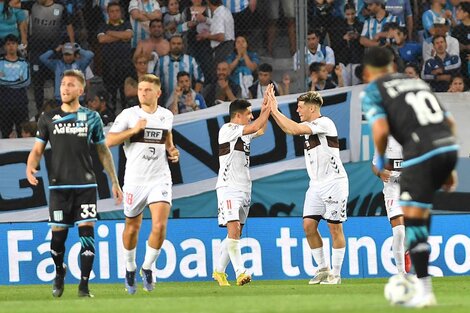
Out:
{"x": 121, "y": 123}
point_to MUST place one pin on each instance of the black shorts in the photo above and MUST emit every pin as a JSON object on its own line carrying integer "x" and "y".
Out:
{"x": 419, "y": 183}
{"x": 72, "y": 206}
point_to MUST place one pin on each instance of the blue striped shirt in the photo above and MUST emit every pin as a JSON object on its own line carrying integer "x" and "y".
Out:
{"x": 14, "y": 74}
{"x": 372, "y": 26}
{"x": 170, "y": 67}
{"x": 236, "y": 6}
{"x": 141, "y": 28}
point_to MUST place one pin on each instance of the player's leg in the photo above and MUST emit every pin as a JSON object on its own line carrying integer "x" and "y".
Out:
{"x": 60, "y": 221}
{"x": 398, "y": 244}
{"x": 160, "y": 212}
{"x": 135, "y": 200}
{"x": 243, "y": 277}
{"x": 335, "y": 198}
{"x": 312, "y": 214}
{"x": 224, "y": 258}
{"x": 84, "y": 205}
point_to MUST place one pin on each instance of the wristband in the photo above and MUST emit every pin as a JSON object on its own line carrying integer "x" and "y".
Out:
{"x": 380, "y": 163}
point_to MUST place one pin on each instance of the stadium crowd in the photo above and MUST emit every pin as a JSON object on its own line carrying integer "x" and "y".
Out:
{"x": 208, "y": 51}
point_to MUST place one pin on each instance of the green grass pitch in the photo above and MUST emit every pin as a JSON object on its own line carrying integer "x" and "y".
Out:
{"x": 354, "y": 295}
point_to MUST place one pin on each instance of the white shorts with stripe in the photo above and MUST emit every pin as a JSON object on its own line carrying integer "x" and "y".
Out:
{"x": 233, "y": 205}
{"x": 328, "y": 201}
{"x": 136, "y": 198}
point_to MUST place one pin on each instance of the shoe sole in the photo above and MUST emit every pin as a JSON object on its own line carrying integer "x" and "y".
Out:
{"x": 244, "y": 281}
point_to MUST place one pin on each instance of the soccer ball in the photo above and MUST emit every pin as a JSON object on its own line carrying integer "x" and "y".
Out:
{"x": 401, "y": 288}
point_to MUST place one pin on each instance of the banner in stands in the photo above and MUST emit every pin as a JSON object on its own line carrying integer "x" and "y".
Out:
{"x": 272, "y": 248}
{"x": 196, "y": 135}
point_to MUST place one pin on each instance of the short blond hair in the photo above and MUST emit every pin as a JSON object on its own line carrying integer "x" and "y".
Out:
{"x": 77, "y": 74}
{"x": 150, "y": 78}
{"x": 311, "y": 97}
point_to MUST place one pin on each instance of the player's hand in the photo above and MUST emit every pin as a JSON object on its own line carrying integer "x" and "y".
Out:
{"x": 30, "y": 175}
{"x": 384, "y": 175}
{"x": 451, "y": 182}
{"x": 173, "y": 154}
{"x": 117, "y": 193}
{"x": 141, "y": 123}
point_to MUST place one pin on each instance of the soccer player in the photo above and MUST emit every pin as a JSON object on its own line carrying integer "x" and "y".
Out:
{"x": 145, "y": 131}
{"x": 71, "y": 129}
{"x": 391, "y": 180}
{"x": 407, "y": 109}
{"x": 327, "y": 195}
{"x": 234, "y": 183}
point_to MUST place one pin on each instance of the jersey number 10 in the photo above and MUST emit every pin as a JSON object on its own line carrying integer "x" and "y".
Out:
{"x": 426, "y": 107}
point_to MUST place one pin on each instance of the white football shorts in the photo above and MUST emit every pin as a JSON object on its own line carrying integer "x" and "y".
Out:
{"x": 136, "y": 198}
{"x": 328, "y": 201}
{"x": 391, "y": 193}
{"x": 233, "y": 205}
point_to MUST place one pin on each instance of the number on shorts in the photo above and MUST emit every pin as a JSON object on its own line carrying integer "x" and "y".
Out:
{"x": 88, "y": 210}
{"x": 229, "y": 204}
{"x": 129, "y": 198}
{"x": 426, "y": 107}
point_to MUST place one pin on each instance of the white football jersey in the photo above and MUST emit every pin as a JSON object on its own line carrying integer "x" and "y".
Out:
{"x": 321, "y": 150}
{"x": 394, "y": 155}
{"x": 145, "y": 152}
{"x": 234, "y": 158}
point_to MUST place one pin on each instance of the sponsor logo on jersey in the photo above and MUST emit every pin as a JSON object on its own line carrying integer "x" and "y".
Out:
{"x": 80, "y": 129}
{"x": 397, "y": 164}
{"x": 153, "y": 134}
{"x": 56, "y": 117}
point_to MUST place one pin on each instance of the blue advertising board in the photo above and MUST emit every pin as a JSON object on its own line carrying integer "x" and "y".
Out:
{"x": 273, "y": 248}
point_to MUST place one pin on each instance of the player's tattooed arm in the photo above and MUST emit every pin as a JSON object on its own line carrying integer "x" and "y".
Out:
{"x": 106, "y": 159}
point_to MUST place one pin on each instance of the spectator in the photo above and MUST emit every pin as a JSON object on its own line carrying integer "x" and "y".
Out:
{"x": 200, "y": 50}
{"x": 29, "y": 129}
{"x": 457, "y": 84}
{"x": 184, "y": 98}
{"x": 49, "y": 21}
{"x": 402, "y": 9}
{"x": 98, "y": 103}
{"x": 48, "y": 105}
{"x": 316, "y": 52}
{"x": 156, "y": 45}
{"x": 409, "y": 52}
{"x": 345, "y": 42}
{"x": 373, "y": 33}
{"x": 441, "y": 28}
{"x": 12, "y": 21}
{"x": 173, "y": 19}
{"x": 462, "y": 33}
{"x": 176, "y": 62}
{"x": 244, "y": 16}
{"x": 14, "y": 80}
{"x": 319, "y": 77}
{"x": 411, "y": 70}
{"x": 114, "y": 38}
{"x": 273, "y": 15}
{"x": 222, "y": 90}
{"x": 439, "y": 70}
{"x": 69, "y": 60}
{"x": 436, "y": 11}
{"x": 221, "y": 33}
{"x": 242, "y": 64}
{"x": 257, "y": 90}
{"x": 284, "y": 86}
{"x": 141, "y": 13}
{"x": 321, "y": 16}
{"x": 141, "y": 62}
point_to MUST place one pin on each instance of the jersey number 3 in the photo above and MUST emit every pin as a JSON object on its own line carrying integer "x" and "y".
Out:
{"x": 426, "y": 107}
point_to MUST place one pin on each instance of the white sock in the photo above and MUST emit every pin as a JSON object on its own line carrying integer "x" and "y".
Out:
{"x": 319, "y": 257}
{"x": 234, "y": 251}
{"x": 129, "y": 256}
{"x": 398, "y": 247}
{"x": 427, "y": 284}
{"x": 337, "y": 256}
{"x": 151, "y": 255}
{"x": 224, "y": 257}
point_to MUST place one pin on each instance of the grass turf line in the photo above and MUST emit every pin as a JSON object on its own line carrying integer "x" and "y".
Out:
{"x": 354, "y": 295}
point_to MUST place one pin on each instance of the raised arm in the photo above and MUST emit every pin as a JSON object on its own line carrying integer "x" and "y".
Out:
{"x": 259, "y": 125}
{"x": 287, "y": 125}
{"x": 106, "y": 159}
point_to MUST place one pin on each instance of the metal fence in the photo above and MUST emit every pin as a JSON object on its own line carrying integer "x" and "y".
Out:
{"x": 229, "y": 48}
